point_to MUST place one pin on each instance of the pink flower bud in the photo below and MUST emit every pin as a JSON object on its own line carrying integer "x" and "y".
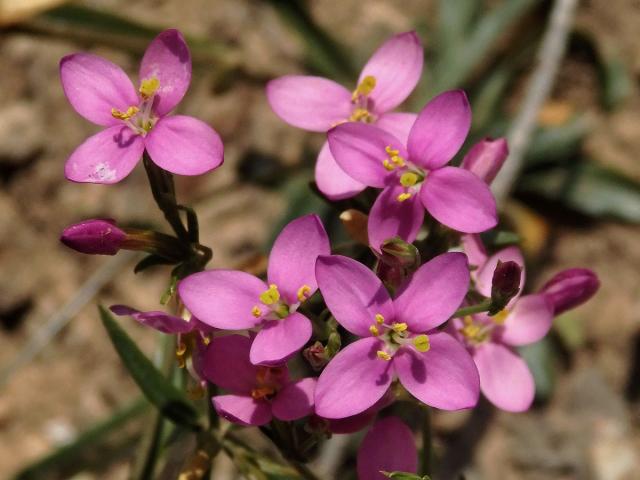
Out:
{"x": 505, "y": 284}
{"x": 570, "y": 288}
{"x": 486, "y": 158}
{"x": 95, "y": 236}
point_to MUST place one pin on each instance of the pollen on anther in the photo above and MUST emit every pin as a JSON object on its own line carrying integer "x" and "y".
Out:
{"x": 382, "y": 355}
{"x": 404, "y": 196}
{"x": 303, "y": 293}
{"x": 374, "y": 330}
{"x": 422, "y": 343}
{"x": 256, "y": 312}
{"x": 379, "y": 318}
{"x": 270, "y": 296}
{"x": 399, "y": 327}
{"x": 148, "y": 87}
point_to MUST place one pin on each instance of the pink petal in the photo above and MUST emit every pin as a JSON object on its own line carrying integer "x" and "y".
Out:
{"x": 474, "y": 249}
{"x": 390, "y": 218}
{"x": 443, "y": 377}
{"x": 353, "y": 293}
{"x": 505, "y": 378}
{"x": 433, "y": 293}
{"x": 528, "y": 321}
{"x": 357, "y": 422}
{"x": 242, "y": 410}
{"x": 184, "y": 145}
{"x": 106, "y": 157}
{"x": 226, "y": 364}
{"x": 94, "y": 86}
{"x": 359, "y": 149}
{"x": 389, "y": 445}
{"x": 167, "y": 58}
{"x": 279, "y": 340}
{"x": 459, "y": 200}
{"x": 353, "y": 381}
{"x": 331, "y": 180}
{"x": 295, "y": 400}
{"x": 440, "y": 130}
{"x": 397, "y": 124}
{"x": 222, "y": 298}
{"x": 396, "y": 66}
{"x": 486, "y": 158}
{"x": 311, "y": 103}
{"x": 160, "y": 321}
{"x": 570, "y": 288}
{"x": 293, "y": 256}
{"x": 484, "y": 275}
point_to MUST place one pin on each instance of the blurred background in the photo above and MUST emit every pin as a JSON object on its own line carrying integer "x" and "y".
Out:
{"x": 576, "y": 203}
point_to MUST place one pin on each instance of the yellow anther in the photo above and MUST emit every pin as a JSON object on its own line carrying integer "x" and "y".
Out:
{"x": 403, "y": 196}
{"x": 303, "y": 292}
{"x": 379, "y": 318}
{"x": 388, "y": 165}
{"x": 422, "y": 343}
{"x": 472, "y": 331}
{"x": 501, "y": 316}
{"x": 270, "y": 296}
{"x": 206, "y": 339}
{"x": 398, "y": 327}
{"x": 256, "y": 312}
{"x": 374, "y": 330}
{"x": 361, "y": 115}
{"x": 181, "y": 349}
{"x": 408, "y": 179}
{"x": 149, "y": 87}
{"x": 262, "y": 392}
{"x": 398, "y": 160}
{"x": 131, "y": 111}
{"x": 391, "y": 151}
{"x": 382, "y": 355}
{"x": 364, "y": 88}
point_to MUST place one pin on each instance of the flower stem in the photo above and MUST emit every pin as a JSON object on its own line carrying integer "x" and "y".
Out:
{"x": 470, "y": 310}
{"x": 304, "y": 471}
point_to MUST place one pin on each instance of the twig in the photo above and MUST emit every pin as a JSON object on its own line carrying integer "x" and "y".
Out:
{"x": 59, "y": 320}
{"x": 549, "y": 56}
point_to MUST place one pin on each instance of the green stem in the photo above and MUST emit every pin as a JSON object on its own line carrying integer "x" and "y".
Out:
{"x": 478, "y": 308}
{"x": 304, "y": 471}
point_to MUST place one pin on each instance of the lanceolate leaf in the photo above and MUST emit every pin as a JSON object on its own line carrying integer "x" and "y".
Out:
{"x": 158, "y": 390}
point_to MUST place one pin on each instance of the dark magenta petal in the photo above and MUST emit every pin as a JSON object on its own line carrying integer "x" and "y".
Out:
{"x": 295, "y": 400}
{"x": 161, "y": 321}
{"x": 242, "y": 409}
{"x": 570, "y": 288}
{"x": 94, "y": 237}
{"x": 484, "y": 274}
{"x": 226, "y": 364}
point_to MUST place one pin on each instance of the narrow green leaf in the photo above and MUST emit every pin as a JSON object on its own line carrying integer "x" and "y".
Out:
{"x": 151, "y": 261}
{"x": 158, "y": 390}
{"x": 587, "y": 188}
{"x": 81, "y": 453}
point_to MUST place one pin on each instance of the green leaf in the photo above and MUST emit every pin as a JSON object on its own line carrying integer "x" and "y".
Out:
{"x": 589, "y": 189}
{"x": 158, "y": 389}
{"x": 405, "y": 476}
{"x": 81, "y": 453}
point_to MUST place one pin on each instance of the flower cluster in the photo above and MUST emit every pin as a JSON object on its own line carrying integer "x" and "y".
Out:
{"x": 439, "y": 332}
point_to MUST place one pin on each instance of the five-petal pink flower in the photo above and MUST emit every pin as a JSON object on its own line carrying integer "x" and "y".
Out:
{"x": 235, "y": 300}
{"x": 256, "y": 393}
{"x": 317, "y": 104}
{"x": 399, "y": 337}
{"x": 415, "y": 177}
{"x": 136, "y": 120}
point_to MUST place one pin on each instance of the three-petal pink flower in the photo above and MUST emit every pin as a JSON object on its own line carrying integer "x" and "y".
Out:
{"x": 317, "y": 104}
{"x": 256, "y": 393}
{"x": 415, "y": 177}
{"x": 234, "y": 300}
{"x": 399, "y": 337}
{"x": 136, "y": 120}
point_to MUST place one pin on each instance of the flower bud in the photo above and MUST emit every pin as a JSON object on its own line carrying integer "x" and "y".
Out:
{"x": 570, "y": 288}
{"x": 316, "y": 355}
{"x": 486, "y": 158}
{"x": 398, "y": 260}
{"x": 95, "y": 237}
{"x": 505, "y": 285}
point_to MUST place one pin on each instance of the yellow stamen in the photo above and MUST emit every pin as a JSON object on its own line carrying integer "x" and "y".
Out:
{"x": 303, "y": 292}
{"x": 131, "y": 111}
{"x": 473, "y": 331}
{"x": 398, "y": 327}
{"x": 388, "y": 165}
{"x": 391, "y": 151}
{"x": 256, "y": 312}
{"x": 374, "y": 330}
{"x": 398, "y": 160}
{"x": 422, "y": 343}
{"x": 382, "y": 355}
{"x": 206, "y": 339}
{"x": 361, "y": 115}
{"x": 149, "y": 87}
{"x": 270, "y": 296}
{"x": 501, "y": 316}
{"x": 364, "y": 88}
{"x": 379, "y": 318}
{"x": 262, "y": 392}
{"x": 408, "y": 179}
{"x": 181, "y": 349}
{"x": 403, "y": 196}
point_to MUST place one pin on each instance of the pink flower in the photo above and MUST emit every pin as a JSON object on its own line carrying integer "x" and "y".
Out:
{"x": 416, "y": 177}
{"x": 399, "y": 337}
{"x": 95, "y": 237}
{"x": 317, "y": 104}
{"x": 234, "y": 300}
{"x": 102, "y": 93}
{"x": 388, "y": 446}
{"x": 486, "y": 157}
{"x": 256, "y": 393}
{"x": 570, "y": 288}
{"x": 491, "y": 340}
